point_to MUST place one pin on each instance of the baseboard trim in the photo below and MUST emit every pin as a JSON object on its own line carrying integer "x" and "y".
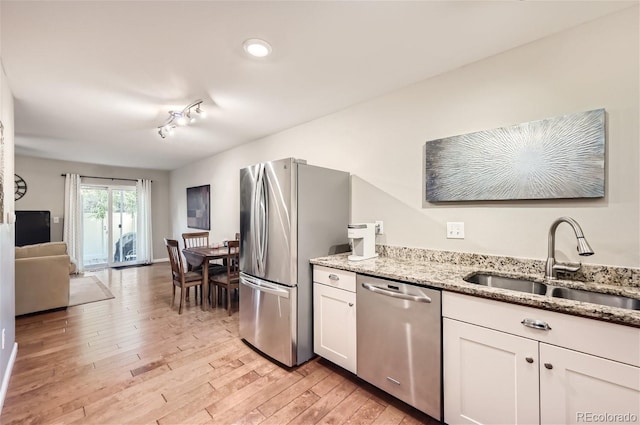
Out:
{"x": 7, "y": 375}
{"x": 160, "y": 260}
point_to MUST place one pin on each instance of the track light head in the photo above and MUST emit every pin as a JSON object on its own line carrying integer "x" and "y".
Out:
{"x": 181, "y": 118}
{"x": 201, "y": 112}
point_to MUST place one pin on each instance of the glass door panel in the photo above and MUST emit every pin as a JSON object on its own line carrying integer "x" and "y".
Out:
{"x": 123, "y": 225}
{"x": 109, "y": 225}
{"x": 95, "y": 222}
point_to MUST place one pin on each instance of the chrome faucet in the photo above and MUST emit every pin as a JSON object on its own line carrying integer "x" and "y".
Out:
{"x": 583, "y": 248}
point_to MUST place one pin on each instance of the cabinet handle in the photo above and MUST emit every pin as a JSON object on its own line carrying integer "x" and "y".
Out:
{"x": 536, "y": 324}
{"x": 350, "y": 304}
{"x": 333, "y": 277}
{"x": 529, "y": 359}
{"x": 548, "y": 365}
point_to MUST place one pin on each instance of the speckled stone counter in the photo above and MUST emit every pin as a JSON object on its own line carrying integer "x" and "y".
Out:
{"x": 446, "y": 270}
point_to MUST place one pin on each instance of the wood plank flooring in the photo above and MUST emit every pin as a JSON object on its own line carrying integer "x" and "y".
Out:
{"x": 134, "y": 360}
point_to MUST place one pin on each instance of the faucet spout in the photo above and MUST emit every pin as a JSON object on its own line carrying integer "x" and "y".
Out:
{"x": 584, "y": 249}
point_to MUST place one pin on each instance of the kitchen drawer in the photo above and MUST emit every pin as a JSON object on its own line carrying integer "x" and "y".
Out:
{"x": 608, "y": 340}
{"x": 336, "y": 278}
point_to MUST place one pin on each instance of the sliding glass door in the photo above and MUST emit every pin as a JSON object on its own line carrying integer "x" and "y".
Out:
{"x": 109, "y": 225}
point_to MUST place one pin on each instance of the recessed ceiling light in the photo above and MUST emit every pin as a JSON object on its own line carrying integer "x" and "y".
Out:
{"x": 256, "y": 47}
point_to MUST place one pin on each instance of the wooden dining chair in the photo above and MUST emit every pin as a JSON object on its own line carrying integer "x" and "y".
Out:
{"x": 181, "y": 278}
{"x": 229, "y": 280}
{"x": 195, "y": 239}
{"x": 237, "y": 258}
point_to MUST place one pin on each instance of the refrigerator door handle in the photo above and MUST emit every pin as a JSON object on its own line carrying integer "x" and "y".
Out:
{"x": 264, "y": 287}
{"x": 255, "y": 221}
{"x": 252, "y": 223}
{"x": 265, "y": 216}
{"x": 260, "y": 220}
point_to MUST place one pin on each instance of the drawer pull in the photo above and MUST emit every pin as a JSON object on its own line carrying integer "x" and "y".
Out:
{"x": 536, "y": 324}
{"x": 393, "y": 380}
{"x": 333, "y": 277}
{"x": 529, "y": 359}
{"x": 350, "y": 304}
{"x": 548, "y": 365}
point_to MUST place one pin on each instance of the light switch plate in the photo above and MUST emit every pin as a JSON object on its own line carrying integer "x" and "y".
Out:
{"x": 455, "y": 230}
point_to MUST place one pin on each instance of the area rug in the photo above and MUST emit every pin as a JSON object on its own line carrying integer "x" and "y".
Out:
{"x": 87, "y": 289}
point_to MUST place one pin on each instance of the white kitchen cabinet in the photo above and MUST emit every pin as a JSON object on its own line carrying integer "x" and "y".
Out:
{"x": 574, "y": 387}
{"x": 490, "y": 377}
{"x": 334, "y": 316}
{"x": 497, "y": 371}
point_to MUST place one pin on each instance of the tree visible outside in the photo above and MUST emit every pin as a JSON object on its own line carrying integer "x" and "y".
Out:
{"x": 95, "y": 203}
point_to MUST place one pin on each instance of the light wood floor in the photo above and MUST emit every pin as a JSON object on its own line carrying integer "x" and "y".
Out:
{"x": 133, "y": 359}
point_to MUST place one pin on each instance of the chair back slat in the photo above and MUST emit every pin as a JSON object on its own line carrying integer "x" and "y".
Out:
{"x": 193, "y": 239}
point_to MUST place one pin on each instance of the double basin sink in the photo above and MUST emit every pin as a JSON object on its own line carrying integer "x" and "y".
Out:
{"x": 539, "y": 288}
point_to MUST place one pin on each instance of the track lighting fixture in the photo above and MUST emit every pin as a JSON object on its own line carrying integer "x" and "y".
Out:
{"x": 181, "y": 118}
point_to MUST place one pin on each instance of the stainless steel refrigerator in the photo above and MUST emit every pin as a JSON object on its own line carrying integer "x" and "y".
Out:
{"x": 289, "y": 212}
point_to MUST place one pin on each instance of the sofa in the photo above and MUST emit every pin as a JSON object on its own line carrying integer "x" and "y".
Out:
{"x": 42, "y": 277}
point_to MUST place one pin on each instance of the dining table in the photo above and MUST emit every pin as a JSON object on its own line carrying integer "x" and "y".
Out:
{"x": 198, "y": 256}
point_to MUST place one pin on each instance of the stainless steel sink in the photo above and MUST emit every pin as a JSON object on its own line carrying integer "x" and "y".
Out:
{"x": 539, "y": 288}
{"x": 514, "y": 284}
{"x": 596, "y": 298}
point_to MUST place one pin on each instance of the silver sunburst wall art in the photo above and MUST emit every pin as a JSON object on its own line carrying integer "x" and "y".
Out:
{"x": 555, "y": 158}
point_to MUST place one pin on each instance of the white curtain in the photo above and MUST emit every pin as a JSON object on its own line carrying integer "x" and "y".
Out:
{"x": 72, "y": 230}
{"x": 144, "y": 252}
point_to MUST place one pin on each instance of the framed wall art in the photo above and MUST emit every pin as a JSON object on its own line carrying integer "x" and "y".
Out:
{"x": 555, "y": 158}
{"x": 198, "y": 212}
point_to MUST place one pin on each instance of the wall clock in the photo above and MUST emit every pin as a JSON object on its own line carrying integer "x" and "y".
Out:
{"x": 21, "y": 187}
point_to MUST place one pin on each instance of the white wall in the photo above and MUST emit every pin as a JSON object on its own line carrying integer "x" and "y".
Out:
{"x": 7, "y": 253}
{"x": 595, "y": 65}
{"x": 45, "y": 191}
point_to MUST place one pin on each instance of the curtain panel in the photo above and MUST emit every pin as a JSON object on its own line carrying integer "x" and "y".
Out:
{"x": 72, "y": 229}
{"x": 145, "y": 238}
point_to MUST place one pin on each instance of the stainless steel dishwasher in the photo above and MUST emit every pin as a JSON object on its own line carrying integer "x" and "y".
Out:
{"x": 399, "y": 341}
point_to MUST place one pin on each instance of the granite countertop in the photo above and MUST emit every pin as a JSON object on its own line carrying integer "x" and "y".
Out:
{"x": 424, "y": 271}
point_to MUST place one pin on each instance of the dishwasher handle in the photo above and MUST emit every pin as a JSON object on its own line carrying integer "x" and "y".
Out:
{"x": 408, "y": 297}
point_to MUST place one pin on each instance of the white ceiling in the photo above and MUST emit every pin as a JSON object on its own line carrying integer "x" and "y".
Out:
{"x": 92, "y": 80}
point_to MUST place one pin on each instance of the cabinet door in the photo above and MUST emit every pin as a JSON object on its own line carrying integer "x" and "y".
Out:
{"x": 334, "y": 325}
{"x": 580, "y": 388}
{"x": 490, "y": 377}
